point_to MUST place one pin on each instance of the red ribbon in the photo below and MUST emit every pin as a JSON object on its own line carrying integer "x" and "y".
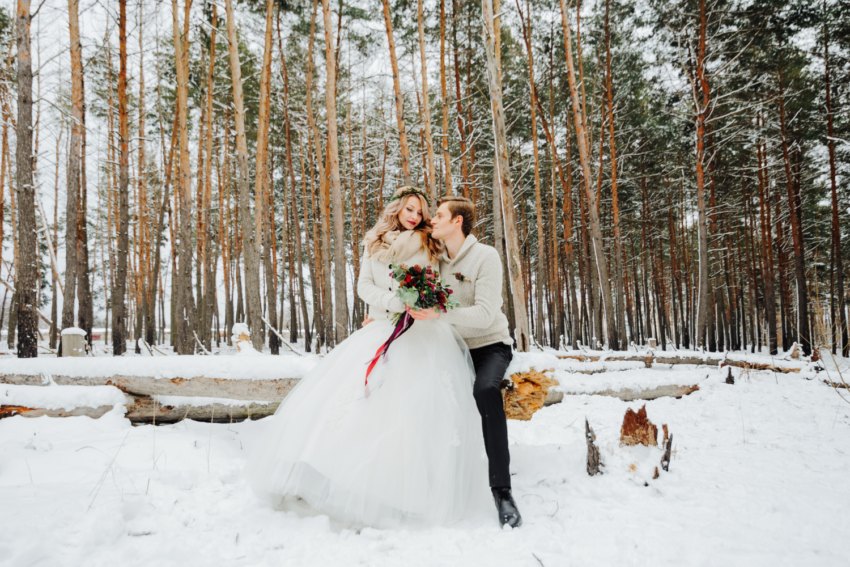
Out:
{"x": 404, "y": 323}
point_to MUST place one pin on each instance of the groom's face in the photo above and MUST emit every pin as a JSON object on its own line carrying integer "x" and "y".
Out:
{"x": 443, "y": 223}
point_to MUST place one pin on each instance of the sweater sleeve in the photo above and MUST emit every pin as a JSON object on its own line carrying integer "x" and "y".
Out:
{"x": 373, "y": 295}
{"x": 488, "y": 296}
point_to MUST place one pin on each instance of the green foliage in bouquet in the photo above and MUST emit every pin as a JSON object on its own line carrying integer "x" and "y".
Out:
{"x": 422, "y": 288}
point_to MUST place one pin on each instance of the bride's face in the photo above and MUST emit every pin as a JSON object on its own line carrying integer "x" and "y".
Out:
{"x": 410, "y": 214}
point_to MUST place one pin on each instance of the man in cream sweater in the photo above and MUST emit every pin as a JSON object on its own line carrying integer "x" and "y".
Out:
{"x": 474, "y": 271}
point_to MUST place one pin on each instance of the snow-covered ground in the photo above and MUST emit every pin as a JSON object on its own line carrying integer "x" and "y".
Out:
{"x": 758, "y": 477}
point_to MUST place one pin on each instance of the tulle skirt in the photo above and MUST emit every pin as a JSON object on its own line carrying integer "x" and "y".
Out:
{"x": 410, "y": 453}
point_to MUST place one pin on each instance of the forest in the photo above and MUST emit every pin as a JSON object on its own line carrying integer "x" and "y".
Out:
{"x": 670, "y": 170}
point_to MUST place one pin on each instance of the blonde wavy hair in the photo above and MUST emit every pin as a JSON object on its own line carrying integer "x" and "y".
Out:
{"x": 389, "y": 222}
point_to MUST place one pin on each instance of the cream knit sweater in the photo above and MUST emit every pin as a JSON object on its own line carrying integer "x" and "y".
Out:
{"x": 376, "y": 286}
{"x": 479, "y": 319}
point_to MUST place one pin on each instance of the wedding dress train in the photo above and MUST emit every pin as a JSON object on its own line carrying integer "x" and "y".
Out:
{"x": 411, "y": 453}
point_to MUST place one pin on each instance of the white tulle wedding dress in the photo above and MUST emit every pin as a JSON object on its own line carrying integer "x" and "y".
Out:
{"x": 411, "y": 453}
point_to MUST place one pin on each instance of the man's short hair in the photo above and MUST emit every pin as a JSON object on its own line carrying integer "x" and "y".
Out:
{"x": 463, "y": 207}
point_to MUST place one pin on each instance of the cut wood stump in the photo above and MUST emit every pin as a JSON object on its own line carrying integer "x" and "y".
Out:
{"x": 73, "y": 342}
{"x": 638, "y": 430}
{"x": 594, "y": 461}
{"x": 528, "y": 394}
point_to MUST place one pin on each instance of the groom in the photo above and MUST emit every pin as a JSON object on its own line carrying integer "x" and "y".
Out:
{"x": 477, "y": 271}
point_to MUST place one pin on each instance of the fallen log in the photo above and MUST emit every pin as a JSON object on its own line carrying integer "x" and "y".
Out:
{"x": 9, "y": 411}
{"x": 144, "y": 409}
{"x": 653, "y": 358}
{"x": 202, "y": 386}
{"x": 629, "y": 394}
{"x": 149, "y": 410}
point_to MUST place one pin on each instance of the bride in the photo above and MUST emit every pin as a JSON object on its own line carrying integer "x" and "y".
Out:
{"x": 411, "y": 452}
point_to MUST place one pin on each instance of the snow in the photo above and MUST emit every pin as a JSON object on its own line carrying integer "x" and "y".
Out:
{"x": 757, "y": 477}
{"x": 259, "y": 367}
{"x": 73, "y": 331}
{"x": 61, "y": 397}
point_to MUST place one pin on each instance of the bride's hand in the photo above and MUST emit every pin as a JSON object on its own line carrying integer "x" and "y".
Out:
{"x": 424, "y": 314}
{"x": 366, "y": 321}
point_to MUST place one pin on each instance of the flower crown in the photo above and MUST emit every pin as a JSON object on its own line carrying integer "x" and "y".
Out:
{"x": 407, "y": 191}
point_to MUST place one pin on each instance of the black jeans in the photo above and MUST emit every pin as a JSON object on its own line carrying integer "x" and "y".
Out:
{"x": 490, "y": 363}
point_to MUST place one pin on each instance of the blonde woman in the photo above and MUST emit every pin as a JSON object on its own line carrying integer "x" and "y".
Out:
{"x": 409, "y": 453}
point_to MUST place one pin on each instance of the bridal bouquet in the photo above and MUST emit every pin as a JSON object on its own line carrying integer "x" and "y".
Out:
{"x": 419, "y": 288}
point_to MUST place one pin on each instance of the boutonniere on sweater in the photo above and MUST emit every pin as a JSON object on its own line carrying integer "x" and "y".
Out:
{"x": 459, "y": 277}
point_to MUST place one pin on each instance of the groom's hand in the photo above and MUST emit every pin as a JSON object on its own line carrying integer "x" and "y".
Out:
{"x": 424, "y": 314}
{"x": 366, "y": 321}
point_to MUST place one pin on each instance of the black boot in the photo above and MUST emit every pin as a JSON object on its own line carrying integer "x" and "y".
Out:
{"x": 508, "y": 512}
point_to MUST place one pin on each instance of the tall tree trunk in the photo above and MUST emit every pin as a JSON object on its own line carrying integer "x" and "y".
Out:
{"x": 55, "y": 284}
{"x": 296, "y": 224}
{"x": 144, "y": 211}
{"x": 26, "y": 288}
{"x": 249, "y": 235}
{"x": 399, "y": 101}
{"x": 841, "y": 334}
{"x": 160, "y": 227}
{"x": 119, "y": 337}
{"x": 209, "y": 243}
{"x": 618, "y": 247}
{"x": 85, "y": 314}
{"x": 526, "y": 28}
{"x": 803, "y": 331}
{"x": 464, "y": 169}
{"x": 340, "y": 299}
{"x": 502, "y": 180}
{"x": 702, "y": 110}
{"x": 73, "y": 175}
{"x": 327, "y": 334}
{"x": 184, "y": 317}
{"x": 426, "y": 107}
{"x": 444, "y": 102}
{"x": 262, "y": 197}
{"x": 767, "y": 254}
{"x": 592, "y": 197}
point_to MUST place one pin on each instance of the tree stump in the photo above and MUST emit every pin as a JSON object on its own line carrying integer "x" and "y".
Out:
{"x": 652, "y": 343}
{"x": 668, "y": 447}
{"x": 242, "y": 339}
{"x": 594, "y": 461}
{"x": 638, "y": 430}
{"x": 528, "y": 393}
{"x": 73, "y": 342}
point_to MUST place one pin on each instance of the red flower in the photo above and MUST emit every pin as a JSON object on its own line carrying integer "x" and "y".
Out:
{"x": 408, "y": 279}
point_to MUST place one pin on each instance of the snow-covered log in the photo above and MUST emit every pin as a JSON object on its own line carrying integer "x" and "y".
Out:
{"x": 170, "y": 409}
{"x": 630, "y": 394}
{"x": 653, "y": 358}
{"x": 272, "y": 390}
{"x": 9, "y": 411}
